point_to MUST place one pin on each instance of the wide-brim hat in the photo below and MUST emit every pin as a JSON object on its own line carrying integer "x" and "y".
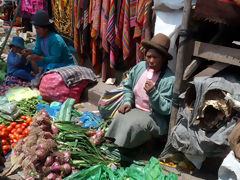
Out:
{"x": 17, "y": 41}
{"x": 160, "y": 42}
{"x": 41, "y": 18}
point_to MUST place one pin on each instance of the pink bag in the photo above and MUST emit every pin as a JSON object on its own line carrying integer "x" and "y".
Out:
{"x": 53, "y": 88}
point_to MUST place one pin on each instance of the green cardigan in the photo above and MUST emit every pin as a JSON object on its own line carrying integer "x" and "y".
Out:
{"x": 160, "y": 98}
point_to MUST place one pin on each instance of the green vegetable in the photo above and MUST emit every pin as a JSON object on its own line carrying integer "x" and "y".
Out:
{"x": 66, "y": 109}
{"x": 28, "y": 106}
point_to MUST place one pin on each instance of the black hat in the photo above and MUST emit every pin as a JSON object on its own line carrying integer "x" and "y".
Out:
{"x": 41, "y": 18}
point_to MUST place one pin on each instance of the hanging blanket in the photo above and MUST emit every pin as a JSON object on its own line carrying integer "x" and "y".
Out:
{"x": 195, "y": 143}
{"x": 220, "y": 11}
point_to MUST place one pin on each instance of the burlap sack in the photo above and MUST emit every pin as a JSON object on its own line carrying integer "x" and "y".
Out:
{"x": 234, "y": 140}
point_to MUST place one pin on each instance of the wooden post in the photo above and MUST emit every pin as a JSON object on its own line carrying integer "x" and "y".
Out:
{"x": 183, "y": 54}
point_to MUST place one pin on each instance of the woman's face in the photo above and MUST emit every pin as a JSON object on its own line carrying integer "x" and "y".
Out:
{"x": 42, "y": 31}
{"x": 155, "y": 60}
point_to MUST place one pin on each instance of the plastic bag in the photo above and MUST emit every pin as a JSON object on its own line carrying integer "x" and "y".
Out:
{"x": 20, "y": 93}
{"x": 89, "y": 119}
{"x": 230, "y": 168}
{"x": 152, "y": 171}
{"x": 52, "y": 110}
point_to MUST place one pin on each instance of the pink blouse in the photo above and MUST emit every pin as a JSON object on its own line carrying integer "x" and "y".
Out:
{"x": 141, "y": 97}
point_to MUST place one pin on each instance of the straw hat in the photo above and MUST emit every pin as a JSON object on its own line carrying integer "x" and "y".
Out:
{"x": 159, "y": 42}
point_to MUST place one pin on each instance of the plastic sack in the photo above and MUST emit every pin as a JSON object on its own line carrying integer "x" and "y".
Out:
{"x": 152, "y": 171}
{"x": 53, "y": 88}
{"x": 90, "y": 119}
{"x": 110, "y": 102}
{"x": 20, "y": 93}
{"x": 230, "y": 168}
{"x": 52, "y": 110}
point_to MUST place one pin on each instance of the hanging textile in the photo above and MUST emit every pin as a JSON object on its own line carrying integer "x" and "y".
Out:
{"x": 30, "y": 7}
{"x": 126, "y": 30}
{"x": 76, "y": 38}
{"x": 62, "y": 12}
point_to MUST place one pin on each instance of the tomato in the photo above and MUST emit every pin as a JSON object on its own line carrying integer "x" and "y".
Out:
{"x": 15, "y": 140}
{"x": 20, "y": 137}
{"x": 26, "y": 132}
{"x": 9, "y": 128}
{"x": 19, "y": 130}
{"x": 18, "y": 126}
{"x": 4, "y": 142}
{"x": 23, "y": 117}
{"x": 13, "y": 124}
{"x": 6, "y": 148}
{"x": 2, "y": 126}
{"x": 12, "y": 136}
{"x": 13, "y": 131}
{"x": 25, "y": 124}
{"x": 13, "y": 144}
{"x": 3, "y": 134}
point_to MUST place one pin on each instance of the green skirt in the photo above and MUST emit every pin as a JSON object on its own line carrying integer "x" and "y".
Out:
{"x": 133, "y": 128}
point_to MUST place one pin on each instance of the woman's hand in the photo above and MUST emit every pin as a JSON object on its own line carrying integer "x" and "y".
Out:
{"x": 148, "y": 86}
{"x": 34, "y": 57}
{"x": 124, "y": 108}
{"x": 26, "y": 52}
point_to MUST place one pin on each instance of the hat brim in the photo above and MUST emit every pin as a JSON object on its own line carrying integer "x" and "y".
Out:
{"x": 37, "y": 24}
{"x": 17, "y": 45}
{"x": 151, "y": 45}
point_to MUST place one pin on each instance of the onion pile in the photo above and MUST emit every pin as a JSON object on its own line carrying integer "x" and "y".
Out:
{"x": 41, "y": 160}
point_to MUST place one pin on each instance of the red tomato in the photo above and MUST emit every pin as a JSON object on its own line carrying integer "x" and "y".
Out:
{"x": 13, "y": 144}
{"x": 2, "y": 126}
{"x": 23, "y": 117}
{"x": 15, "y": 140}
{"x": 3, "y": 134}
{"x": 9, "y": 128}
{"x": 19, "y": 130}
{"x": 26, "y": 132}
{"x": 11, "y": 136}
{"x": 13, "y": 124}
{"x": 4, "y": 142}
{"x": 6, "y": 148}
{"x": 25, "y": 124}
{"x": 13, "y": 131}
{"x": 20, "y": 137}
{"x": 18, "y": 126}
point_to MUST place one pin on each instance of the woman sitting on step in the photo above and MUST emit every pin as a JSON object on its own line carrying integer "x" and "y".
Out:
{"x": 145, "y": 111}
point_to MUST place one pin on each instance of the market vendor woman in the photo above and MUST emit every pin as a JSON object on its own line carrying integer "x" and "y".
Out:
{"x": 50, "y": 50}
{"x": 145, "y": 111}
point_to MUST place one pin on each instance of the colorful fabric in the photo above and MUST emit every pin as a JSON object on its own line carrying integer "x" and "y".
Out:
{"x": 110, "y": 36}
{"x": 30, "y": 7}
{"x": 119, "y": 26}
{"x": 104, "y": 24}
{"x": 76, "y": 39}
{"x": 141, "y": 97}
{"x": 133, "y": 12}
{"x": 62, "y": 12}
{"x": 96, "y": 19}
{"x": 86, "y": 26}
{"x": 126, "y": 30}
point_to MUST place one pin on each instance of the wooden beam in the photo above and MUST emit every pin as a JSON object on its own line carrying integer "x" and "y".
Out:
{"x": 191, "y": 68}
{"x": 212, "y": 69}
{"x": 217, "y": 53}
{"x": 184, "y": 54}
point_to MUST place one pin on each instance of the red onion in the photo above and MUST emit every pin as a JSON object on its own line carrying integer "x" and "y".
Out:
{"x": 42, "y": 146}
{"x": 56, "y": 167}
{"x": 52, "y": 176}
{"x": 54, "y": 129}
{"x": 47, "y": 135}
{"x": 45, "y": 114}
{"x": 66, "y": 168}
{"x": 74, "y": 171}
{"x": 99, "y": 133}
{"x": 41, "y": 154}
{"x": 44, "y": 127}
{"x": 49, "y": 161}
{"x": 66, "y": 156}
